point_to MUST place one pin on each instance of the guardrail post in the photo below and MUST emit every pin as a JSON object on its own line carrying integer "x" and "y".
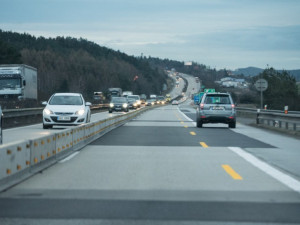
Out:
{"x": 257, "y": 116}
{"x": 295, "y": 126}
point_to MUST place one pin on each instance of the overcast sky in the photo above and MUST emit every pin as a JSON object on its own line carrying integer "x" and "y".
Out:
{"x": 218, "y": 33}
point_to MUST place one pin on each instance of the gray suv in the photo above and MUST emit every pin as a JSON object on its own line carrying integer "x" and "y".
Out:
{"x": 216, "y": 108}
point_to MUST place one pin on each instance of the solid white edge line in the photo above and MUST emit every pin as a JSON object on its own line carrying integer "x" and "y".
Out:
{"x": 69, "y": 157}
{"x": 188, "y": 118}
{"x": 278, "y": 175}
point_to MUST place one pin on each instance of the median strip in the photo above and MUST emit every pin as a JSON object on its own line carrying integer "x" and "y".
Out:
{"x": 231, "y": 172}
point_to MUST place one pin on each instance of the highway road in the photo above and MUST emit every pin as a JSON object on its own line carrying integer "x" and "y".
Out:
{"x": 160, "y": 169}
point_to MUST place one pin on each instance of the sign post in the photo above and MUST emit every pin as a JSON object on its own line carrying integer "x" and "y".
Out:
{"x": 261, "y": 85}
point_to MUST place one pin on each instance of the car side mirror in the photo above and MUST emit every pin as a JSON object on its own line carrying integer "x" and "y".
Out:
{"x": 88, "y": 104}
{"x": 44, "y": 103}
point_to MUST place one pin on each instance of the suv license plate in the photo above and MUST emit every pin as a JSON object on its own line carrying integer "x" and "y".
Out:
{"x": 218, "y": 108}
{"x": 64, "y": 118}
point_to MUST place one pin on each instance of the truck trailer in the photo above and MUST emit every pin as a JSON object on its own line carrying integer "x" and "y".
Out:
{"x": 18, "y": 82}
{"x": 114, "y": 92}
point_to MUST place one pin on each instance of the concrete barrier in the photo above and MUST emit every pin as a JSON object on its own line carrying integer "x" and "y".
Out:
{"x": 22, "y": 159}
{"x": 64, "y": 143}
{"x": 42, "y": 152}
{"x": 14, "y": 163}
{"x": 78, "y": 137}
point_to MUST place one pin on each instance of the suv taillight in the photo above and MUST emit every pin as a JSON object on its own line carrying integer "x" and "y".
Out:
{"x": 232, "y": 106}
{"x": 201, "y": 106}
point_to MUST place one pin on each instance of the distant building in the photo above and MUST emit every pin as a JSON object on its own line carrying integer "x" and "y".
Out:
{"x": 232, "y": 82}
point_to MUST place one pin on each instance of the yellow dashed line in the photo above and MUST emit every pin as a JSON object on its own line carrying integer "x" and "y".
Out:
{"x": 185, "y": 126}
{"x": 182, "y": 122}
{"x": 192, "y": 133}
{"x": 232, "y": 173}
{"x": 203, "y": 144}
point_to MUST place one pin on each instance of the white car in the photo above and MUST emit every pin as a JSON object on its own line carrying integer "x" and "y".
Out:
{"x": 175, "y": 102}
{"x": 65, "y": 109}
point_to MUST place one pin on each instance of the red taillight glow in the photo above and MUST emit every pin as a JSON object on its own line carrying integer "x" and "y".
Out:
{"x": 201, "y": 106}
{"x": 232, "y": 106}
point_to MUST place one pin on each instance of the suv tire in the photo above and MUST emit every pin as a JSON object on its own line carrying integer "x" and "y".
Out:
{"x": 199, "y": 123}
{"x": 232, "y": 125}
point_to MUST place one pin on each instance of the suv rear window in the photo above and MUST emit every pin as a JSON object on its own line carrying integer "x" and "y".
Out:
{"x": 217, "y": 99}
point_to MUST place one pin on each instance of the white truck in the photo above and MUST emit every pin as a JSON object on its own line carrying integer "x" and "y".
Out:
{"x": 153, "y": 97}
{"x": 126, "y": 93}
{"x": 18, "y": 82}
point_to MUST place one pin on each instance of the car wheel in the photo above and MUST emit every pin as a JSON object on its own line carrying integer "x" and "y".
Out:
{"x": 199, "y": 123}
{"x": 47, "y": 126}
{"x": 232, "y": 125}
{"x": 110, "y": 111}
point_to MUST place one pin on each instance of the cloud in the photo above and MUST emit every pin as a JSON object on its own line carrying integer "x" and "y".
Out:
{"x": 215, "y": 32}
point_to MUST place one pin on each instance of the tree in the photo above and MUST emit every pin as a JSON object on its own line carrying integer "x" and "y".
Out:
{"x": 8, "y": 54}
{"x": 282, "y": 89}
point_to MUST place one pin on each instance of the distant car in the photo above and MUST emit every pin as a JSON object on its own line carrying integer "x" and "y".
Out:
{"x": 137, "y": 98}
{"x": 216, "y": 108}
{"x": 150, "y": 102}
{"x": 132, "y": 103}
{"x": 65, "y": 109}
{"x": 118, "y": 104}
{"x": 174, "y": 102}
{"x": 161, "y": 100}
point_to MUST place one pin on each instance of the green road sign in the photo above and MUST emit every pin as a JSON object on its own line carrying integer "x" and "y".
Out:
{"x": 209, "y": 90}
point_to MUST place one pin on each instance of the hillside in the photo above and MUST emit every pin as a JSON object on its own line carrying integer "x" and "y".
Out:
{"x": 78, "y": 65}
{"x": 254, "y": 71}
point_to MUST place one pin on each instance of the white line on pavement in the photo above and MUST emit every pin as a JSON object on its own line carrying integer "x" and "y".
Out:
{"x": 278, "y": 175}
{"x": 188, "y": 118}
{"x": 69, "y": 157}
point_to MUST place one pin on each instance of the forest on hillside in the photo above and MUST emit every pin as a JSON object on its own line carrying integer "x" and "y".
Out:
{"x": 67, "y": 64}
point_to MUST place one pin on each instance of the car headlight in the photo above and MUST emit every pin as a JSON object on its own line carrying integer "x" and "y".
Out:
{"x": 48, "y": 111}
{"x": 80, "y": 112}
{"x": 125, "y": 105}
{"x": 111, "y": 105}
{"x": 138, "y": 102}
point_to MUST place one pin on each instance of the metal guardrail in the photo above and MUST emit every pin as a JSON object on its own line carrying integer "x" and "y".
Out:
{"x": 273, "y": 118}
{"x": 10, "y": 113}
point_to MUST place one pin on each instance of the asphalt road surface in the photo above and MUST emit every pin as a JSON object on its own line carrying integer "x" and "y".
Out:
{"x": 160, "y": 169}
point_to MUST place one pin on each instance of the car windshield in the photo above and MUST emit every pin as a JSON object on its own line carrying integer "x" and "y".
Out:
{"x": 133, "y": 97}
{"x": 118, "y": 100}
{"x": 217, "y": 99}
{"x": 66, "y": 100}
